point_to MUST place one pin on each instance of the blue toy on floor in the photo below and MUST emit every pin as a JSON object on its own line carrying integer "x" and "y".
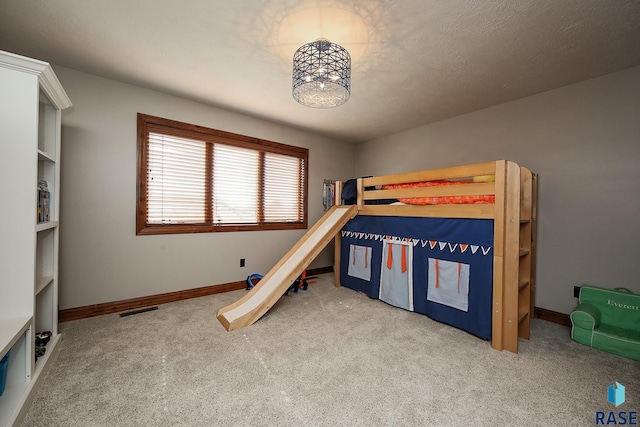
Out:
{"x": 251, "y": 278}
{"x": 301, "y": 281}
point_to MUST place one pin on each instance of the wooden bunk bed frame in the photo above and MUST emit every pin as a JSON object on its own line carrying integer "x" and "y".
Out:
{"x": 514, "y": 216}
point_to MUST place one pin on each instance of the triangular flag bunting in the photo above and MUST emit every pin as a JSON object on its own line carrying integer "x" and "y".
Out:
{"x": 463, "y": 247}
{"x": 442, "y": 245}
{"x": 452, "y": 248}
{"x": 415, "y": 242}
{"x": 485, "y": 250}
{"x": 474, "y": 248}
{"x": 432, "y": 243}
{"x": 424, "y": 243}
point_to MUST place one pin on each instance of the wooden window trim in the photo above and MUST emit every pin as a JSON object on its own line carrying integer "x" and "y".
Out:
{"x": 147, "y": 123}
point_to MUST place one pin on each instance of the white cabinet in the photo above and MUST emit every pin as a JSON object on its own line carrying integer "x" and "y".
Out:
{"x": 31, "y": 101}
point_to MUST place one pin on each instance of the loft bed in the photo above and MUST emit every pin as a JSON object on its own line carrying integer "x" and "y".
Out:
{"x": 460, "y": 247}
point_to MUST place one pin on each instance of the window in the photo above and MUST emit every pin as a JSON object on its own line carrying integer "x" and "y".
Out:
{"x": 193, "y": 179}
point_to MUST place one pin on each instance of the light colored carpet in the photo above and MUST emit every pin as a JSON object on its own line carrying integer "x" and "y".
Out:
{"x": 325, "y": 357}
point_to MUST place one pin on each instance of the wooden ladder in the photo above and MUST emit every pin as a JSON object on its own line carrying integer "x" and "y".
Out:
{"x": 514, "y": 261}
{"x": 527, "y": 256}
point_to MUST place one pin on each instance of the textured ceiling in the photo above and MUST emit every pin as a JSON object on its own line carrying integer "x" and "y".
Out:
{"x": 414, "y": 61}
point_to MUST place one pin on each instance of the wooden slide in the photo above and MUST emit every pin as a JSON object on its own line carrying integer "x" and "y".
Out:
{"x": 271, "y": 287}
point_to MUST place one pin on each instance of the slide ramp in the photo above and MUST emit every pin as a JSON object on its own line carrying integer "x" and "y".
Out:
{"x": 275, "y": 283}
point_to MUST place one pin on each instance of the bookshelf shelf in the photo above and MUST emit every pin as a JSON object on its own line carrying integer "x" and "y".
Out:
{"x": 43, "y": 226}
{"x": 43, "y": 156}
{"x": 10, "y": 331}
{"x": 42, "y": 283}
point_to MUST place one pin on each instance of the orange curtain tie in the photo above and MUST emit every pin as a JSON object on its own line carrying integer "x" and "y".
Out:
{"x": 404, "y": 258}
{"x": 366, "y": 256}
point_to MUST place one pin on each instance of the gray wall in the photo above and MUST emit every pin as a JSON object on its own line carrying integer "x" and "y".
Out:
{"x": 583, "y": 141}
{"x": 101, "y": 258}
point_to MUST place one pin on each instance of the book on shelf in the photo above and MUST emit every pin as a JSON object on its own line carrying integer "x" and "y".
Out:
{"x": 44, "y": 201}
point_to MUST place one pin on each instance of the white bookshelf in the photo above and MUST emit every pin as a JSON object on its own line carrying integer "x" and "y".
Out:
{"x": 30, "y": 126}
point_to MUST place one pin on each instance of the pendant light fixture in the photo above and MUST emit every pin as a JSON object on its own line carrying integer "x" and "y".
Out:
{"x": 321, "y": 74}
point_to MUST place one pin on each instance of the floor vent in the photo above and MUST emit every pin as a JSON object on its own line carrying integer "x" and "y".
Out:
{"x": 142, "y": 310}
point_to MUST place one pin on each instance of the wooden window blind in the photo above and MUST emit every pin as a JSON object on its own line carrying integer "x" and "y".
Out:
{"x": 193, "y": 179}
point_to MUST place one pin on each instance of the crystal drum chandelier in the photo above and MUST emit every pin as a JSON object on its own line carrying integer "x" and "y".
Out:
{"x": 321, "y": 74}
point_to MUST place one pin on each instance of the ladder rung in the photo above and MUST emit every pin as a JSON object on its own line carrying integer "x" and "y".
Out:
{"x": 523, "y": 316}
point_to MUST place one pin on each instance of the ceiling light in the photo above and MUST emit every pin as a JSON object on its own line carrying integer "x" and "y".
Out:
{"x": 321, "y": 74}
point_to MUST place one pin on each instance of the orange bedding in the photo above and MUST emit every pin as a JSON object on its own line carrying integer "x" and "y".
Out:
{"x": 482, "y": 199}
